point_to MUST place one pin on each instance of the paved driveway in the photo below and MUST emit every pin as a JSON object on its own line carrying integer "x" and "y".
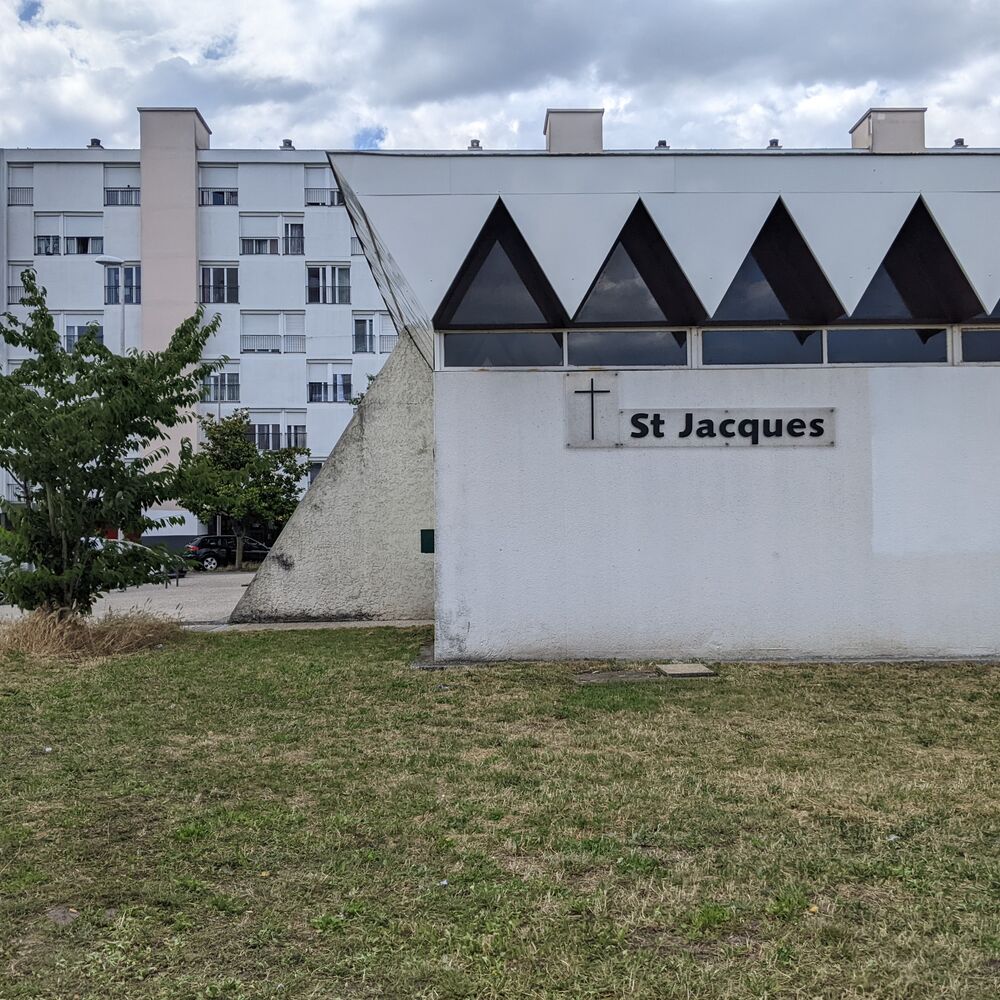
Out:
{"x": 201, "y": 597}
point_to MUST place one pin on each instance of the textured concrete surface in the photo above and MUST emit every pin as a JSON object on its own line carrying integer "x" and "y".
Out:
{"x": 201, "y": 597}
{"x": 352, "y": 548}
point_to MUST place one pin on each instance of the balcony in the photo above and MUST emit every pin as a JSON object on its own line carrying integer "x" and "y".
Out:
{"x": 117, "y": 295}
{"x": 252, "y": 246}
{"x": 218, "y": 196}
{"x": 386, "y": 342}
{"x": 126, "y": 196}
{"x": 295, "y": 343}
{"x": 364, "y": 343}
{"x": 267, "y": 437}
{"x": 325, "y": 197}
{"x": 20, "y": 196}
{"x": 328, "y": 295}
{"x": 220, "y": 294}
{"x": 15, "y": 295}
{"x": 293, "y": 244}
{"x": 328, "y": 392}
{"x": 260, "y": 343}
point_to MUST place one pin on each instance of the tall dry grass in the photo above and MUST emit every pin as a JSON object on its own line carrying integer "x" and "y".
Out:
{"x": 45, "y": 635}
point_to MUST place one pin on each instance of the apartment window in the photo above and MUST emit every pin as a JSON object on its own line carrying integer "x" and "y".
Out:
{"x": 121, "y": 184}
{"x": 328, "y": 383}
{"x": 15, "y": 287}
{"x": 295, "y": 435}
{"x": 268, "y": 437}
{"x": 260, "y": 333}
{"x": 46, "y": 246}
{"x": 321, "y": 196}
{"x": 123, "y": 285}
{"x": 356, "y": 248}
{"x": 20, "y": 181}
{"x": 223, "y": 387}
{"x": 220, "y": 285}
{"x": 328, "y": 284}
{"x": 20, "y": 196}
{"x": 77, "y": 330}
{"x": 294, "y": 239}
{"x": 121, "y": 196}
{"x": 257, "y": 246}
{"x": 84, "y": 244}
{"x": 364, "y": 334}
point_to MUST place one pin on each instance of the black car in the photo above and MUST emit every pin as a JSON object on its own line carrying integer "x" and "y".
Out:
{"x": 213, "y": 551}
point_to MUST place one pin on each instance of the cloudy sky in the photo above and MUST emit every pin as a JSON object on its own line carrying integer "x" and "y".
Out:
{"x": 433, "y": 73}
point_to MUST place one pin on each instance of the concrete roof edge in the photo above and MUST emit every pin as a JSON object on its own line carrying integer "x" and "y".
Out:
{"x": 201, "y": 117}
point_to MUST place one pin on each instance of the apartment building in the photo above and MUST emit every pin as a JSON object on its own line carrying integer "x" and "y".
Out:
{"x": 134, "y": 239}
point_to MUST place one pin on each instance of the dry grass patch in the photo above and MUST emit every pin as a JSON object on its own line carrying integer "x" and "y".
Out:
{"x": 49, "y": 636}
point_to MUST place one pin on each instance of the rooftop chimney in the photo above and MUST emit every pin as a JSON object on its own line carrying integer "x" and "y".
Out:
{"x": 287, "y": 144}
{"x": 773, "y": 144}
{"x": 95, "y": 144}
{"x": 474, "y": 146}
{"x": 890, "y": 130}
{"x": 574, "y": 130}
{"x": 662, "y": 144}
{"x": 959, "y": 144}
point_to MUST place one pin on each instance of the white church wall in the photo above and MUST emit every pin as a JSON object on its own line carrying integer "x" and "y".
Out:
{"x": 885, "y": 545}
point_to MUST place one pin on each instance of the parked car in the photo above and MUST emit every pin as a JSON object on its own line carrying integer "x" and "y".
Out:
{"x": 173, "y": 571}
{"x": 213, "y": 551}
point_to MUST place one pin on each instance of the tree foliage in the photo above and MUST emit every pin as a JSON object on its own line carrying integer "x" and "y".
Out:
{"x": 82, "y": 432}
{"x": 229, "y": 475}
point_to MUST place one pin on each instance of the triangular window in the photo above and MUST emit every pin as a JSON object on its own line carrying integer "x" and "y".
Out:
{"x": 779, "y": 281}
{"x": 919, "y": 280}
{"x": 500, "y": 285}
{"x": 640, "y": 283}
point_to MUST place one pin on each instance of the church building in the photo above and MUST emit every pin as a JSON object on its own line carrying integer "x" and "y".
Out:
{"x": 676, "y": 403}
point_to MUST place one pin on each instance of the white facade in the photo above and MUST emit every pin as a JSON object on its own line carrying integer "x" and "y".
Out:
{"x": 294, "y": 357}
{"x": 558, "y": 537}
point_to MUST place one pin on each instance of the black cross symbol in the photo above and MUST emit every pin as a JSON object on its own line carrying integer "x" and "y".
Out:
{"x": 592, "y": 392}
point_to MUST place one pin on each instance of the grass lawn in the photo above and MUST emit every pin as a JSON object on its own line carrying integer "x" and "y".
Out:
{"x": 300, "y": 814}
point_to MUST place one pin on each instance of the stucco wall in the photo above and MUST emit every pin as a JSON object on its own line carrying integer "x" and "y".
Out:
{"x": 352, "y": 548}
{"x": 886, "y": 545}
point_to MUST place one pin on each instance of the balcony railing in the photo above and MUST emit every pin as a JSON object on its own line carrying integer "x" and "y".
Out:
{"x": 116, "y": 295}
{"x": 324, "y": 196}
{"x": 268, "y": 439}
{"x": 386, "y": 342}
{"x": 121, "y": 196}
{"x": 294, "y": 244}
{"x": 260, "y": 343}
{"x": 15, "y": 293}
{"x": 328, "y": 294}
{"x": 329, "y": 392}
{"x": 253, "y": 245}
{"x": 72, "y": 339}
{"x": 20, "y": 196}
{"x": 14, "y": 493}
{"x": 220, "y": 294}
{"x": 295, "y": 343}
{"x": 364, "y": 343}
{"x": 221, "y": 392}
{"x": 218, "y": 196}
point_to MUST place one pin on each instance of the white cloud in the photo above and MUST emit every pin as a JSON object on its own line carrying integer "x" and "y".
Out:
{"x": 436, "y": 73}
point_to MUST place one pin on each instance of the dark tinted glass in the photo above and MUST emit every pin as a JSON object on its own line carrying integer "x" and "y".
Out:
{"x": 750, "y": 298}
{"x": 497, "y": 295}
{"x": 882, "y": 300}
{"x": 620, "y": 295}
{"x": 981, "y": 345}
{"x": 885, "y": 347}
{"x": 502, "y": 350}
{"x": 762, "y": 347}
{"x": 632, "y": 347}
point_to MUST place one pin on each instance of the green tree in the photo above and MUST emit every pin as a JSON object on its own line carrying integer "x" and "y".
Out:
{"x": 81, "y": 431}
{"x": 229, "y": 475}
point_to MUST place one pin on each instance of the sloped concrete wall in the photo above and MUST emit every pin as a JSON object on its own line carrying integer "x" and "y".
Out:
{"x": 352, "y": 548}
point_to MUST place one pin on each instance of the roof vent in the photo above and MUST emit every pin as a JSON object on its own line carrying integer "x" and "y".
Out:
{"x": 773, "y": 144}
{"x": 286, "y": 144}
{"x": 890, "y": 130}
{"x": 474, "y": 146}
{"x": 959, "y": 144}
{"x": 662, "y": 144}
{"x": 95, "y": 144}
